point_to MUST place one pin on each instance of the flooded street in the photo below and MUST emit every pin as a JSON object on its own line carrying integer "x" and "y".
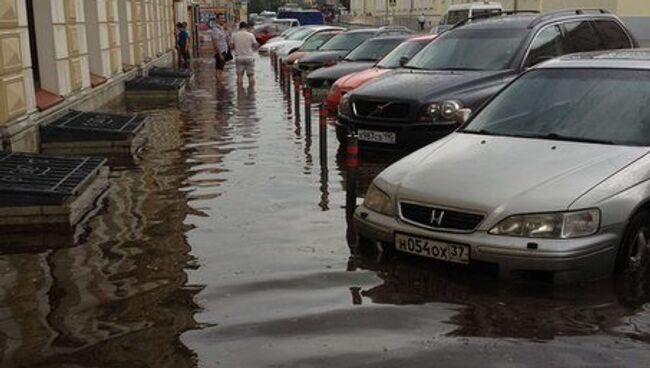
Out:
{"x": 226, "y": 245}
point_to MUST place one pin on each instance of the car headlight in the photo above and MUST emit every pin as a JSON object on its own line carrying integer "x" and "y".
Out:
{"x": 345, "y": 106}
{"x": 379, "y": 201}
{"x": 448, "y": 109}
{"x": 559, "y": 225}
{"x": 434, "y": 110}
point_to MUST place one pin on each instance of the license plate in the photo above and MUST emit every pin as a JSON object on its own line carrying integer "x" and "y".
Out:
{"x": 376, "y": 136}
{"x": 432, "y": 248}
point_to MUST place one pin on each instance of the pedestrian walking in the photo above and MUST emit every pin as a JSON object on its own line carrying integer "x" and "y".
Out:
{"x": 182, "y": 45}
{"x": 220, "y": 44}
{"x": 422, "y": 20}
{"x": 244, "y": 46}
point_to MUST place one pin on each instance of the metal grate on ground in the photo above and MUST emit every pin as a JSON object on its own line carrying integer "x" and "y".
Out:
{"x": 155, "y": 84}
{"x": 92, "y": 126}
{"x": 33, "y": 180}
{"x": 169, "y": 73}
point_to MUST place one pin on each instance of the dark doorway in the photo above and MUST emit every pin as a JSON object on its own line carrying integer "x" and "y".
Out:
{"x": 32, "y": 43}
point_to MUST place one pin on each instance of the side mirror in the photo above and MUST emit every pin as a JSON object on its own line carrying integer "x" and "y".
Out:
{"x": 339, "y": 58}
{"x": 462, "y": 116}
{"x": 403, "y": 60}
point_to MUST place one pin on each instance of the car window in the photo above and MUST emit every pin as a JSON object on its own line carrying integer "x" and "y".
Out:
{"x": 613, "y": 36}
{"x": 583, "y": 104}
{"x": 455, "y": 16}
{"x": 471, "y": 49}
{"x": 345, "y": 41}
{"x": 548, "y": 44}
{"x": 582, "y": 36}
{"x": 300, "y": 34}
{"x": 315, "y": 41}
{"x": 405, "y": 49}
{"x": 372, "y": 50}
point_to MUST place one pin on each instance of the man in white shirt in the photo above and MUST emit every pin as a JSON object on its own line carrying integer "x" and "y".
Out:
{"x": 244, "y": 46}
{"x": 220, "y": 45}
{"x": 422, "y": 20}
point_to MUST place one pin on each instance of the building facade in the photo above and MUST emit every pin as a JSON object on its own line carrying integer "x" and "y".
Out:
{"x": 635, "y": 13}
{"x": 61, "y": 54}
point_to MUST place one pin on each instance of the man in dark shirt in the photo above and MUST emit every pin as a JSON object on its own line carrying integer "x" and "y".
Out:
{"x": 182, "y": 44}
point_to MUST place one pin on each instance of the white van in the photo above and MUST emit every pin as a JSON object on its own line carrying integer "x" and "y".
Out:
{"x": 459, "y": 12}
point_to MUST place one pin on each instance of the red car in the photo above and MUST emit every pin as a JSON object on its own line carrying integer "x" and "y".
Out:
{"x": 265, "y": 32}
{"x": 393, "y": 60}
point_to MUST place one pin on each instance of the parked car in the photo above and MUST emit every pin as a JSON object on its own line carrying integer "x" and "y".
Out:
{"x": 313, "y": 43}
{"x": 283, "y": 35}
{"x": 396, "y": 58}
{"x": 286, "y": 23}
{"x": 459, "y": 12}
{"x": 550, "y": 177}
{"x": 296, "y": 39}
{"x": 266, "y": 32}
{"x": 464, "y": 67}
{"x": 363, "y": 57}
{"x": 336, "y": 48}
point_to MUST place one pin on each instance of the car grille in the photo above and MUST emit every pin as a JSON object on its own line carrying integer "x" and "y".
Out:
{"x": 442, "y": 219}
{"x": 382, "y": 109}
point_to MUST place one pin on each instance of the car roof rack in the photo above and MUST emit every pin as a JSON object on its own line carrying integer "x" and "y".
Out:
{"x": 492, "y": 14}
{"x": 557, "y": 13}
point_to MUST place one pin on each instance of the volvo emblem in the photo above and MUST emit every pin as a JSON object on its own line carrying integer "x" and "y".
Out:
{"x": 436, "y": 217}
{"x": 380, "y": 108}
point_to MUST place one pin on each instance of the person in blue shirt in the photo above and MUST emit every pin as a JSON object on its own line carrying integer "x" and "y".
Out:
{"x": 182, "y": 44}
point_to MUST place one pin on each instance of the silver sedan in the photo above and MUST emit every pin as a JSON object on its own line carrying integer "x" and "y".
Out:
{"x": 551, "y": 177}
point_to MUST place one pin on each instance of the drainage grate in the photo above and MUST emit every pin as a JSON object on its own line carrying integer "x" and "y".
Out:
{"x": 33, "y": 180}
{"x": 169, "y": 73}
{"x": 155, "y": 84}
{"x": 92, "y": 126}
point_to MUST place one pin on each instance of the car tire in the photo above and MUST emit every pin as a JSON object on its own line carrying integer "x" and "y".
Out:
{"x": 634, "y": 252}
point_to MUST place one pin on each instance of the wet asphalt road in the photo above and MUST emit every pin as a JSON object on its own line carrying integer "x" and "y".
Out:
{"x": 226, "y": 245}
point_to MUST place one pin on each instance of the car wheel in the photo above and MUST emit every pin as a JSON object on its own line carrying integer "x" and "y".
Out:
{"x": 634, "y": 253}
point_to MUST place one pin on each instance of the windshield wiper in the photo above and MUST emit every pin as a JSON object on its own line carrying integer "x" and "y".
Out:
{"x": 412, "y": 67}
{"x": 480, "y": 132}
{"x": 459, "y": 69}
{"x": 560, "y": 137}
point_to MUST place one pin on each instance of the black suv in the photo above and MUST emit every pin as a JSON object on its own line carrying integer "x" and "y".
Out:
{"x": 463, "y": 68}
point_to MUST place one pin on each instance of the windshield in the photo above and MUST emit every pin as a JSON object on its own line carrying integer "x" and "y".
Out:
{"x": 345, "y": 41}
{"x": 470, "y": 49}
{"x": 315, "y": 41}
{"x": 373, "y": 49}
{"x": 287, "y": 32}
{"x": 455, "y": 16}
{"x": 300, "y": 34}
{"x": 589, "y": 105}
{"x": 407, "y": 49}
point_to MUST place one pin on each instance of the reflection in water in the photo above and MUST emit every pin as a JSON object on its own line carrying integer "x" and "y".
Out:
{"x": 225, "y": 246}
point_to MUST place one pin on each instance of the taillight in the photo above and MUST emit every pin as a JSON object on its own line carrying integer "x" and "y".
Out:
{"x": 330, "y": 62}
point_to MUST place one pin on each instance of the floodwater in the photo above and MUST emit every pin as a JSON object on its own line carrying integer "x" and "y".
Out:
{"x": 226, "y": 245}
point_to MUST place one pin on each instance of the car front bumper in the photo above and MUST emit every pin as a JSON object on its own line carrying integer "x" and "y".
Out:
{"x": 568, "y": 260}
{"x": 409, "y": 135}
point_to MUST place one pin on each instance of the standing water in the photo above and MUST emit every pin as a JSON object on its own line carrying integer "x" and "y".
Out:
{"x": 226, "y": 245}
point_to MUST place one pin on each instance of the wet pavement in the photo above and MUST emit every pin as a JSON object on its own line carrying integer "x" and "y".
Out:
{"x": 226, "y": 245}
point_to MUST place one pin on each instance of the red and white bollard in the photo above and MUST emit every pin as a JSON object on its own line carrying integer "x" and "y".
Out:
{"x": 352, "y": 163}
{"x": 296, "y": 86}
